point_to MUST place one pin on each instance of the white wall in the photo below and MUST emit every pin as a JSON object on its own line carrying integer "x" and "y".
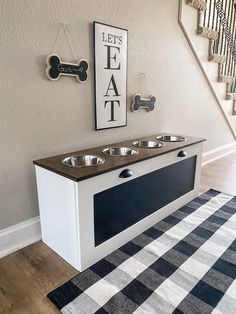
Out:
{"x": 40, "y": 118}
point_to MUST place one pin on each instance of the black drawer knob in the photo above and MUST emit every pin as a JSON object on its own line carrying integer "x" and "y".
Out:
{"x": 182, "y": 153}
{"x": 126, "y": 173}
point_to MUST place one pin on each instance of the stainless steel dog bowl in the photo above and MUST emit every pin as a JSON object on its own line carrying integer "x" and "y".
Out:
{"x": 83, "y": 161}
{"x": 148, "y": 144}
{"x": 120, "y": 151}
{"x": 170, "y": 138}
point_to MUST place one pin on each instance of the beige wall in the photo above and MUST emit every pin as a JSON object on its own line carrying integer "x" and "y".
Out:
{"x": 41, "y": 118}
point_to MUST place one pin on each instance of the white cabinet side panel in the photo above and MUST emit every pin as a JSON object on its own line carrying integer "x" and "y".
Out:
{"x": 56, "y": 195}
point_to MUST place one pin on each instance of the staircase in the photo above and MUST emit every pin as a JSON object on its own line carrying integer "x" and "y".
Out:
{"x": 215, "y": 21}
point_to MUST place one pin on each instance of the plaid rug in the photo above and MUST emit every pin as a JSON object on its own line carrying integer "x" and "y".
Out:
{"x": 184, "y": 264}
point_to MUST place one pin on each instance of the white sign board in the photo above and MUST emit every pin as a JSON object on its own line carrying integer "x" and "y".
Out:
{"x": 110, "y": 67}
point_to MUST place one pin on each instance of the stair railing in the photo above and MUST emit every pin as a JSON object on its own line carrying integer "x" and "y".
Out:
{"x": 217, "y": 22}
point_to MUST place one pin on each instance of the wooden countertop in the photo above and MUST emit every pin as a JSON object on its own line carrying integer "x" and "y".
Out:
{"x": 54, "y": 163}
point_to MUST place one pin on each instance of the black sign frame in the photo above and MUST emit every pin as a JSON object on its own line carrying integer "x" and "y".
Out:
{"x": 113, "y": 83}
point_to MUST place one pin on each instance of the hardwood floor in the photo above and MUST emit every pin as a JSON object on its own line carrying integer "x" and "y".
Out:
{"x": 220, "y": 175}
{"x": 28, "y": 275}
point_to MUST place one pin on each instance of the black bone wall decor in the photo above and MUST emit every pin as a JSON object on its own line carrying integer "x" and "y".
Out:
{"x": 143, "y": 103}
{"x": 56, "y": 68}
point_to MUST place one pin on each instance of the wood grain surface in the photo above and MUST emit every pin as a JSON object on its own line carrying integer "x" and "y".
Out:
{"x": 111, "y": 162}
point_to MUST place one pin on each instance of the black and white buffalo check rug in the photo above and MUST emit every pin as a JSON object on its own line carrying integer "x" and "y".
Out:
{"x": 184, "y": 264}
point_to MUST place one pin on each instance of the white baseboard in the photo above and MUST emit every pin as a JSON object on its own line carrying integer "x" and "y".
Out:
{"x": 20, "y": 235}
{"x": 217, "y": 153}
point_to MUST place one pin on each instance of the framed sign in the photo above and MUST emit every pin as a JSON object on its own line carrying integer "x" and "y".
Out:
{"x": 110, "y": 75}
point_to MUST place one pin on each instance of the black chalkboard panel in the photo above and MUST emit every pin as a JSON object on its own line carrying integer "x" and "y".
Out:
{"x": 122, "y": 206}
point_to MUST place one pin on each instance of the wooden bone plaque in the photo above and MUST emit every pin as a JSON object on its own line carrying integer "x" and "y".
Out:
{"x": 56, "y": 67}
{"x": 143, "y": 103}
